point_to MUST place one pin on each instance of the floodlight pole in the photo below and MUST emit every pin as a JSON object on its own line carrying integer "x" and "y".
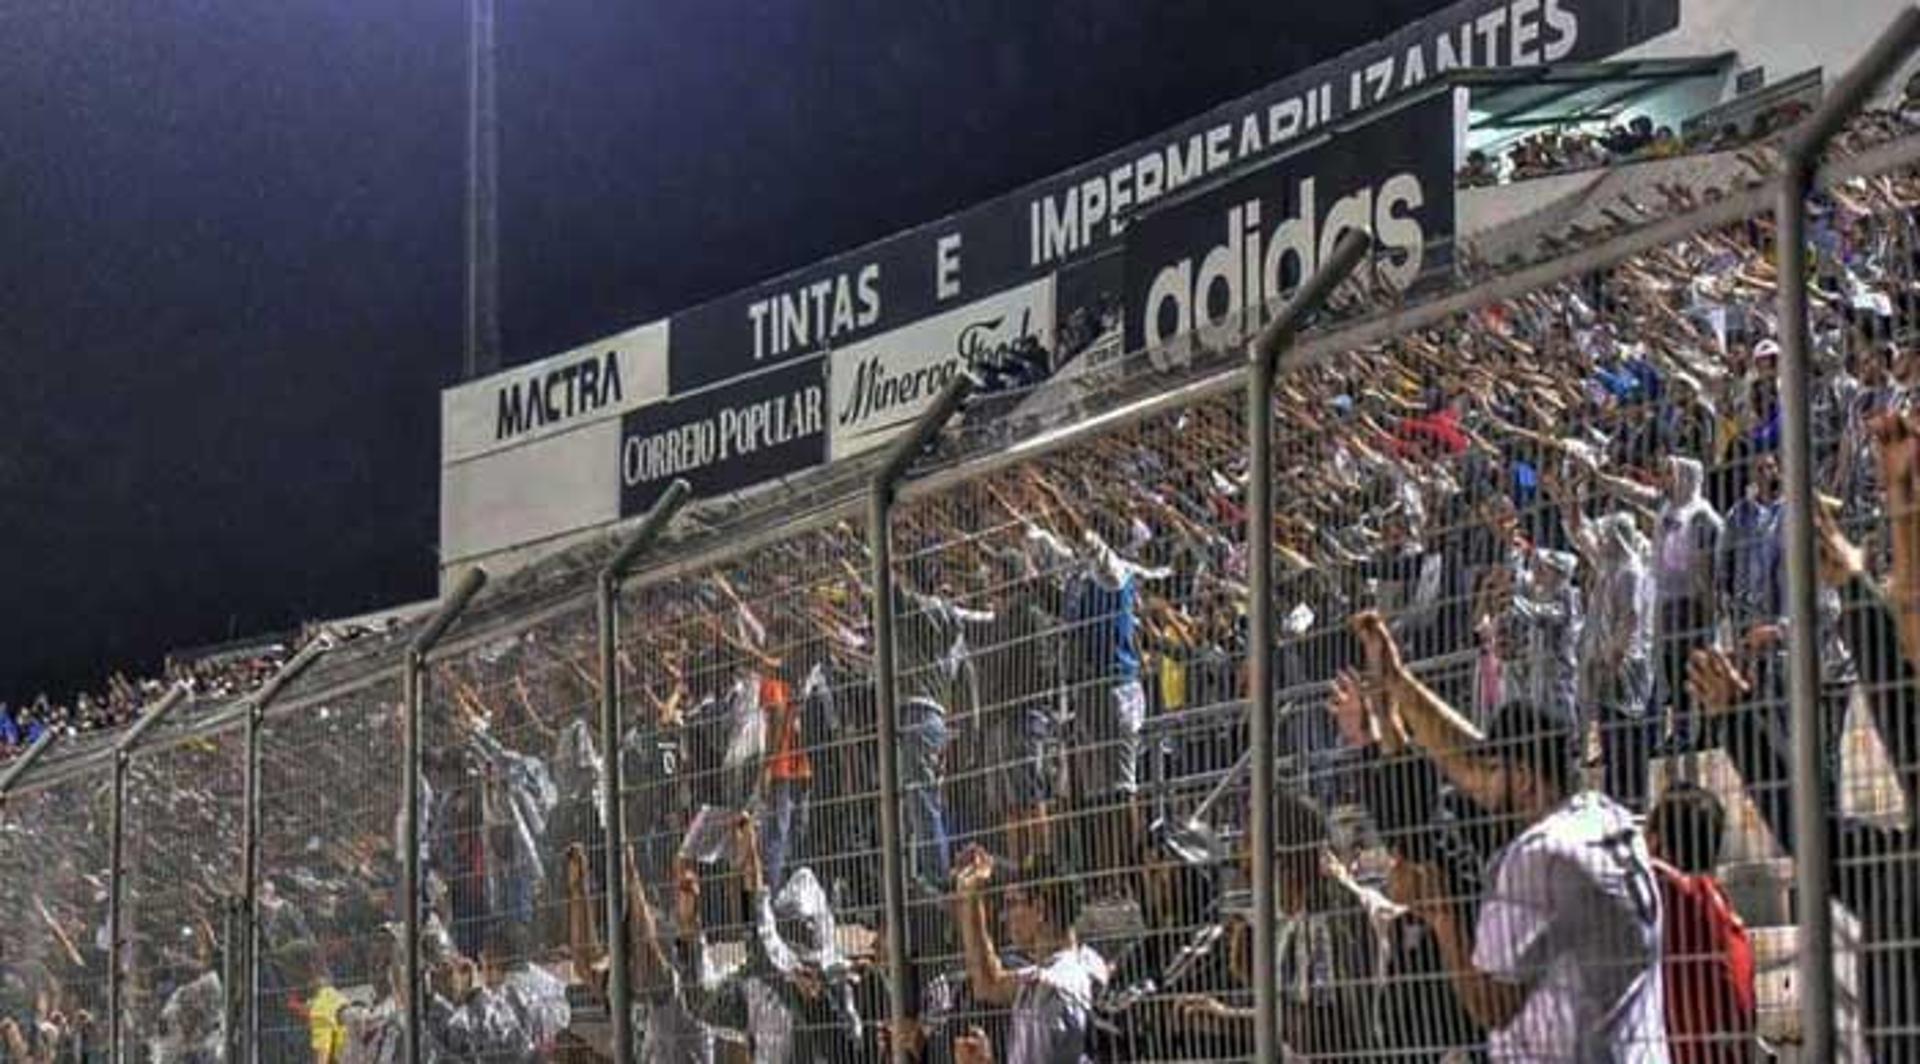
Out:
{"x": 244, "y": 1029}
{"x": 414, "y": 682}
{"x": 116, "y": 862}
{"x": 614, "y": 826}
{"x": 892, "y": 858}
{"x": 483, "y": 187}
{"x": 1812, "y": 841}
{"x": 1265, "y": 354}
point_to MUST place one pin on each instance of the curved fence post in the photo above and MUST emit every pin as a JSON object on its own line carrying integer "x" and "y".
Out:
{"x": 245, "y": 1034}
{"x": 1812, "y": 842}
{"x": 23, "y": 762}
{"x": 116, "y": 949}
{"x": 893, "y": 873}
{"x": 614, "y": 827}
{"x": 414, "y": 681}
{"x": 1265, "y": 354}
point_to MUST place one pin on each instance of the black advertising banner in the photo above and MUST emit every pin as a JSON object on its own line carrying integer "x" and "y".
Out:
{"x": 1023, "y": 236}
{"x": 728, "y": 438}
{"x": 1194, "y": 265}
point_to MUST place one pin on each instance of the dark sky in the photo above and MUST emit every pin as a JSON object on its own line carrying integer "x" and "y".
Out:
{"x": 231, "y": 258}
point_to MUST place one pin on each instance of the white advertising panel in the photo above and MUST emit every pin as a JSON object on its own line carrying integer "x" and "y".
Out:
{"x": 603, "y": 379}
{"x": 879, "y": 385}
{"x": 525, "y": 494}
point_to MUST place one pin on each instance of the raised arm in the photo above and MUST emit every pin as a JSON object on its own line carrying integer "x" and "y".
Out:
{"x": 1489, "y": 999}
{"x": 990, "y": 980}
{"x": 1888, "y": 681}
{"x": 583, "y": 932}
{"x": 1897, "y": 440}
{"x": 651, "y": 968}
{"x": 1434, "y": 726}
{"x": 1400, "y": 789}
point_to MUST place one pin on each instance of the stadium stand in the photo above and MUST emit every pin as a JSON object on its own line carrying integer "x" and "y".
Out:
{"x": 1532, "y": 593}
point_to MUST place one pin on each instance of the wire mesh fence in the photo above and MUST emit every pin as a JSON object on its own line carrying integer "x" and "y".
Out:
{"x": 327, "y": 907}
{"x": 181, "y": 884}
{"x": 1533, "y": 737}
{"x": 752, "y": 795}
{"x": 509, "y": 787}
{"x": 54, "y": 950}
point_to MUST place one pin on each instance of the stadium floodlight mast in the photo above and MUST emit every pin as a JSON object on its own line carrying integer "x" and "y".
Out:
{"x": 614, "y": 809}
{"x": 886, "y": 482}
{"x": 116, "y": 858}
{"x": 1813, "y": 871}
{"x": 414, "y": 682}
{"x": 483, "y": 194}
{"x": 1265, "y": 355}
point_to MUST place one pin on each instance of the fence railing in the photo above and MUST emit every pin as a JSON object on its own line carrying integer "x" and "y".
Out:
{"x": 1497, "y": 617}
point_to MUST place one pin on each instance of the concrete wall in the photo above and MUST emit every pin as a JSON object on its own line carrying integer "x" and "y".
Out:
{"x": 1784, "y": 36}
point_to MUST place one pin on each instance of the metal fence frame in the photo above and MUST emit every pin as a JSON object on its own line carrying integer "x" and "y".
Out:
{"x": 1278, "y": 349}
{"x": 1814, "y": 844}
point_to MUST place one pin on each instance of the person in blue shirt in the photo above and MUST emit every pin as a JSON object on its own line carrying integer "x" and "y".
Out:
{"x": 1101, "y": 667}
{"x": 1751, "y": 566}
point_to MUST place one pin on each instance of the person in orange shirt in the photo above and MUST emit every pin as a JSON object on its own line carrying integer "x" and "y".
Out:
{"x": 786, "y": 776}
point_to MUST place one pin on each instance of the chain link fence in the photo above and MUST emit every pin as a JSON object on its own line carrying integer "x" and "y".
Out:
{"x": 180, "y": 887}
{"x": 1532, "y": 605}
{"x": 55, "y": 946}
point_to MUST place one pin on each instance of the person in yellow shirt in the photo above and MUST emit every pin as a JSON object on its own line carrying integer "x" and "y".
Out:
{"x": 319, "y": 1002}
{"x": 328, "y": 1035}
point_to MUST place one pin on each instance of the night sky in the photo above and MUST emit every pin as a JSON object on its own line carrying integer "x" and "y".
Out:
{"x": 231, "y": 244}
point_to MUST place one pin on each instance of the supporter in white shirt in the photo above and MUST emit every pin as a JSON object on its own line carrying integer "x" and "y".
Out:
{"x": 1563, "y": 963}
{"x": 1051, "y": 1003}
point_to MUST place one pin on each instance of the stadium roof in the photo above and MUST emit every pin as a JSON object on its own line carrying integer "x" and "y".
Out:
{"x": 1519, "y": 98}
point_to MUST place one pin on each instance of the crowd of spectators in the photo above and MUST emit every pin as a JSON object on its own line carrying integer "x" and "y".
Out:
{"x": 216, "y": 679}
{"x": 1530, "y": 568}
{"x": 1572, "y": 148}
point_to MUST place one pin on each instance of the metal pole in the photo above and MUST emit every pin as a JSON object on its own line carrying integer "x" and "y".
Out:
{"x": 619, "y": 987}
{"x": 248, "y": 965}
{"x": 410, "y": 681}
{"x": 233, "y": 946}
{"x": 1264, "y": 355}
{"x": 116, "y": 859}
{"x": 413, "y": 689}
{"x": 483, "y": 215}
{"x": 892, "y": 872}
{"x": 1812, "y": 843}
{"x": 24, "y": 762}
{"x": 115, "y": 862}
{"x": 880, "y": 544}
